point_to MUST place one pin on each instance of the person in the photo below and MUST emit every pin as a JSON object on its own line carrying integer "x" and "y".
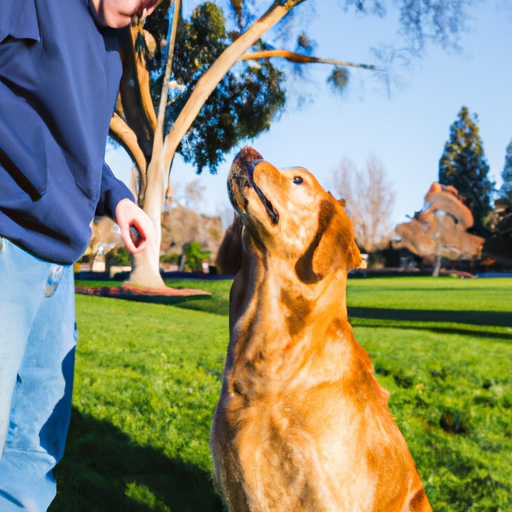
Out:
{"x": 59, "y": 77}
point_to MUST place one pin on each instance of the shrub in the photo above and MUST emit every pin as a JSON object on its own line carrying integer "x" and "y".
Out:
{"x": 171, "y": 258}
{"x": 118, "y": 257}
{"x": 194, "y": 257}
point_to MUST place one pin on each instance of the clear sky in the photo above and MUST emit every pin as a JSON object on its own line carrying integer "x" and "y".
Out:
{"x": 406, "y": 130}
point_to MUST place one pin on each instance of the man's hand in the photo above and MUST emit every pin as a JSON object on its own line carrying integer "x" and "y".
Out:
{"x": 129, "y": 215}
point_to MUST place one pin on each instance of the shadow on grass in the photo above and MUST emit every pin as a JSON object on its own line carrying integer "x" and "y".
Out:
{"x": 217, "y": 307}
{"x": 172, "y": 300}
{"x": 101, "y": 462}
{"x": 438, "y": 330}
{"x": 494, "y": 318}
{"x": 204, "y": 303}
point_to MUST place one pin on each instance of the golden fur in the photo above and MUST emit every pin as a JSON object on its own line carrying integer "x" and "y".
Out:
{"x": 301, "y": 423}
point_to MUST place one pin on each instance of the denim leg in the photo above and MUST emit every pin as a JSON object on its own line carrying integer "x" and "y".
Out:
{"x": 21, "y": 288}
{"x": 41, "y": 398}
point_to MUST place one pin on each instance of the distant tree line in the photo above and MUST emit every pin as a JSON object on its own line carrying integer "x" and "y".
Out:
{"x": 369, "y": 195}
{"x": 463, "y": 165}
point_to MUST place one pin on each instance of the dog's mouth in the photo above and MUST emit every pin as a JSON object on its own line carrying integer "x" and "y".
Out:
{"x": 269, "y": 207}
{"x": 241, "y": 176}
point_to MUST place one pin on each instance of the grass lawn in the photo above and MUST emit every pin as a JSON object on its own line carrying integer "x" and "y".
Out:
{"x": 148, "y": 378}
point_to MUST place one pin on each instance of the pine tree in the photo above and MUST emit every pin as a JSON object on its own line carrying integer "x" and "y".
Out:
{"x": 464, "y": 167}
{"x": 506, "y": 174}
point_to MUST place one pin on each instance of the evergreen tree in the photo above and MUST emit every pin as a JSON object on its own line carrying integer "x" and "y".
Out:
{"x": 464, "y": 167}
{"x": 506, "y": 174}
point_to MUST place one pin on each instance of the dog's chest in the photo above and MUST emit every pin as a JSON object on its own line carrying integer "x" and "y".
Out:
{"x": 288, "y": 465}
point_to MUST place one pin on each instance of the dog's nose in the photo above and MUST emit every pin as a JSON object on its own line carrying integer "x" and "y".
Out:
{"x": 247, "y": 159}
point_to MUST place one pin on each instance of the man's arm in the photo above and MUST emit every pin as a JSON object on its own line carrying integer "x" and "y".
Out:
{"x": 117, "y": 202}
{"x": 129, "y": 216}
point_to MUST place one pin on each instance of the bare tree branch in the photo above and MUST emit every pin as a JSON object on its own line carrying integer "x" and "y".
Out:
{"x": 136, "y": 103}
{"x": 369, "y": 199}
{"x": 124, "y": 135}
{"x": 298, "y": 58}
{"x": 168, "y": 69}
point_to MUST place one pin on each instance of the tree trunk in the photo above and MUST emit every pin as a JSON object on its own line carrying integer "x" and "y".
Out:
{"x": 146, "y": 265}
{"x": 440, "y": 216}
{"x": 437, "y": 267}
{"x": 92, "y": 259}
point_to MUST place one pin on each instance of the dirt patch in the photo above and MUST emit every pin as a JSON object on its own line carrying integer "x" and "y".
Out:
{"x": 138, "y": 293}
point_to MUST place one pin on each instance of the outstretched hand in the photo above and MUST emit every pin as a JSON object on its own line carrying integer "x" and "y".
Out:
{"x": 129, "y": 216}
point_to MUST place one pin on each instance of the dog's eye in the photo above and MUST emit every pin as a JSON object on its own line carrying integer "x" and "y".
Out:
{"x": 298, "y": 180}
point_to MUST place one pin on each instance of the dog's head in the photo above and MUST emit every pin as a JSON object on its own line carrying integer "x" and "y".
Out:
{"x": 292, "y": 216}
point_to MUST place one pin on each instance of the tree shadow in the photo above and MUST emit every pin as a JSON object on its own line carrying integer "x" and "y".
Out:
{"x": 493, "y": 318}
{"x": 440, "y": 330}
{"x": 204, "y": 303}
{"x": 172, "y": 300}
{"x": 101, "y": 462}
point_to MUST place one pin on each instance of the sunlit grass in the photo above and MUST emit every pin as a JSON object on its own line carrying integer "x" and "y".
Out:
{"x": 444, "y": 293}
{"x": 148, "y": 378}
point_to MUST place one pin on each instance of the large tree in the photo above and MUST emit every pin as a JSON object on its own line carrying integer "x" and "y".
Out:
{"x": 205, "y": 103}
{"x": 223, "y": 86}
{"x": 463, "y": 166}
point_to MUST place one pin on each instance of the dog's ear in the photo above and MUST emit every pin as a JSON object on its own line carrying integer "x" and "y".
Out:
{"x": 354, "y": 258}
{"x": 332, "y": 248}
{"x": 230, "y": 255}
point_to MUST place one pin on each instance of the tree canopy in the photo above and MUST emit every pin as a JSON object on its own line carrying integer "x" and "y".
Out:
{"x": 463, "y": 166}
{"x": 245, "y": 102}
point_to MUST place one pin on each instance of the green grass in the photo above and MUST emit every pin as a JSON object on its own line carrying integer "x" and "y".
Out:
{"x": 218, "y": 303}
{"x": 148, "y": 377}
{"x": 426, "y": 293}
{"x": 147, "y": 380}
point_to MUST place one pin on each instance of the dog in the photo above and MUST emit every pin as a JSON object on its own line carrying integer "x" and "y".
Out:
{"x": 301, "y": 423}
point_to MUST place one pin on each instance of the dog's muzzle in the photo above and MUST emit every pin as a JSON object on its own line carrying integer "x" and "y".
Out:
{"x": 269, "y": 207}
{"x": 241, "y": 176}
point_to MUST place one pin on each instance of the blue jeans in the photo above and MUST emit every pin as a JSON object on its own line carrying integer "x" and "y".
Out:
{"x": 37, "y": 351}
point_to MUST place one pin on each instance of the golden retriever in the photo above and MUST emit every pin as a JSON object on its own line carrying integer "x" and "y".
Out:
{"x": 301, "y": 423}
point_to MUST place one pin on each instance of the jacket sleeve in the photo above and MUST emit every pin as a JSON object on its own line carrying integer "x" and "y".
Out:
{"x": 18, "y": 20}
{"x": 112, "y": 191}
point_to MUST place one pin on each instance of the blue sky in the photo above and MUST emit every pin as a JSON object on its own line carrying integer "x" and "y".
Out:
{"x": 406, "y": 130}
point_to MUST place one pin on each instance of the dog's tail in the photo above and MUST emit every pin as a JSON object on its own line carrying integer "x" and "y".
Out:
{"x": 229, "y": 257}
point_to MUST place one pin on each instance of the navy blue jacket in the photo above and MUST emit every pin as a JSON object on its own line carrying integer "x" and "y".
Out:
{"x": 59, "y": 79}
